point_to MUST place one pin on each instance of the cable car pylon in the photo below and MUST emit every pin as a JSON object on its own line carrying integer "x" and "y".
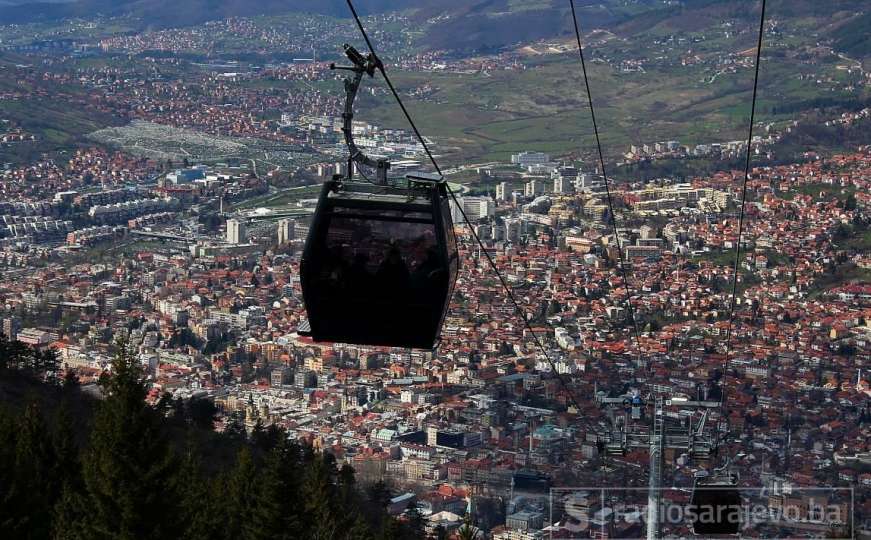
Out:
{"x": 656, "y": 431}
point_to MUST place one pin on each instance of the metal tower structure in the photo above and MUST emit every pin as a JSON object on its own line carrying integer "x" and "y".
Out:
{"x": 654, "y": 493}
{"x": 685, "y": 429}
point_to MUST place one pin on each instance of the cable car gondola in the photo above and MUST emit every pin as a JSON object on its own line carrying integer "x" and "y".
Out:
{"x": 716, "y": 504}
{"x": 380, "y": 261}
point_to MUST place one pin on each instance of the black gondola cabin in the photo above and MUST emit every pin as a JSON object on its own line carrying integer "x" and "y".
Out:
{"x": 716, "y": 506}
{"x": 380, "y": 263}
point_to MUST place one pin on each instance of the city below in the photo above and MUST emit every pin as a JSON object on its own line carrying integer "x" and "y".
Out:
{"x": 174, "y": 226}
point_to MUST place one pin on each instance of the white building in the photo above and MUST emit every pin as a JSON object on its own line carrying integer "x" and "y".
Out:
{"x": 525, "y": 159}
{"x": 236, "y": 232}
{"x": 513, "y": 230}
{"x": 564, "y": 184}
{"x": 564, "y": 339}
{"x": 475, "y": 208}
{"x": 36, "y": 338}
{"x": 286, "y": 230}
{"x": 586, "y": 180}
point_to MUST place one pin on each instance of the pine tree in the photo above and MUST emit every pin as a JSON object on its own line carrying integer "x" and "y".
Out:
{"x": 13, "y": 354}
{"x": 34, "y": 489}
{"x": 197, "y": 505}
{"x": 347, "y": 485}
{"x": 390, "y": 529}
{"x": 70, "y": 381}
{"x": 235, "y": 427}
{"x": 129, "y": 466}
{"x": 377, "y": 499}
{"x": 359, "y": 528}
{"x": 46, "y": 361}
{"x": 347, "y": 499}
{"x": 270, "y": 518}
{"x": 70, "y": 504}
{"x": 8, "y": 490}
{"x": 258, "y": 433}
{"x": 850, "y": 203}
{"x": 379, "y": 495}
{"x": 202, "y": 412}
{"x": 66, "y": 469}
{"x": 68, "y": 522}
{"x": 414, "y": 524}
{"x": 239, "y": 492}
{"x": 8, "y": 438}
{"x": 265, "y": 439}
{"x": 4, "y": 352}
{"x": 127, "y": 483}
{"x": 319, "y": 498}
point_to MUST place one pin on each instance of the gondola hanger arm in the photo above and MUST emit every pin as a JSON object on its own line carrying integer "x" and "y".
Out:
{"x": 362, "y": 66}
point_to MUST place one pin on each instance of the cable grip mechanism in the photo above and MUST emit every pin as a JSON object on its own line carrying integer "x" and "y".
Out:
{"x": 363, "y": 65}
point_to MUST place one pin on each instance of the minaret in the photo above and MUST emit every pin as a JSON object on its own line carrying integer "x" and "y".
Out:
{"x": 510, "y": 496}
{"x": 531, "y": 430}
{"x": 786, "y": 453}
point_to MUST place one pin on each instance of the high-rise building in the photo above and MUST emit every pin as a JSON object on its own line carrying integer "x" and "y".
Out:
{"x": 534, "y": 188}
{"x": 585, "y": 180}
{"x": 286, "y": 230}
{"x": 524, "y": 159}
{"x": 11, "y": 326}
{"x": 564, "y": 179}
{"x": 236, "y": 232}
{"x": 563, "y": 185}
{"x": 475, "y": 208}
{"x": 513, "y": 228}
{"x": 502, "y": 191}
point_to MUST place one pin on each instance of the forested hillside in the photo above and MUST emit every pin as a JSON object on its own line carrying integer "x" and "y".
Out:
{"x": 76, "y": 467}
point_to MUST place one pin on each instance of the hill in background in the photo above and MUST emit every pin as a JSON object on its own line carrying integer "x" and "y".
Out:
{"x": 171, "y": 13}
{"x": 476, "y": 25}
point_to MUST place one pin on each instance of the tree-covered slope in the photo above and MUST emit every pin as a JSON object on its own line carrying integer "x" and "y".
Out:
{"x": 76, "y": 467}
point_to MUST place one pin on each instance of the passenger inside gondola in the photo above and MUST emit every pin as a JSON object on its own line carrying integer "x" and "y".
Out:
{"x": 336, "y": 267}
{"x": 359, "y": 277}
{"x": 393, "y": 275}
{"x": 381, "y": 279}
{"x": 428, "y": 274}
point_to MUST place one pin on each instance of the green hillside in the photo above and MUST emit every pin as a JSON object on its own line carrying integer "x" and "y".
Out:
{"x": 76, "y": 467}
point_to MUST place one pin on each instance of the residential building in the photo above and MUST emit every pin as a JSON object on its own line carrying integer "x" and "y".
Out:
{"x": 236, "y": 232}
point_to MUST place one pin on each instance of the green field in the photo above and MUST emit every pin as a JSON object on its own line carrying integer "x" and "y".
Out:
{"x": 490, "y": 115}
{"x": 844, "y": 274}
{"x": 695, "y": 91}
{"x": 859, "y": 240}
{"x": 283, "y": 198}
{"x": 56, "y": 125}
{"x": 718, "y": 258}
{"x": 820, "y": 192}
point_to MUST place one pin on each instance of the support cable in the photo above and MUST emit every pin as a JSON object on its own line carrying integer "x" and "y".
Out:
{"x": 741, "y": 214}
{"x": 380, "y": 65}
{"x": 489, "y": 258}
{"x": 623, "y": 271}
